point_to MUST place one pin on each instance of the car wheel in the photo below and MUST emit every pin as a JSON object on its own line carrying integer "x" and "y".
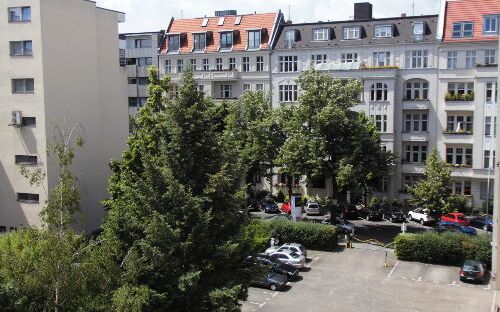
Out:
{"x": 485, "y": 227}
{"x": 422, "y": 221}
{"x": 273, "y": 287}
{"x": 390, "y": 219}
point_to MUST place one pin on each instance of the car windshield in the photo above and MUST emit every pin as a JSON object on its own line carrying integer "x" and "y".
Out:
{"x": 313, "y": 206}
{"x": 294, "y": 255}
{"x": 461, "y": 217}
{"x": 471, "y": 266}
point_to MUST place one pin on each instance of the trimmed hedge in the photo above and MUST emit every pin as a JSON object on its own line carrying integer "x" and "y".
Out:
{"x": 443, "y": 248}
{"x": 312, "y": 235}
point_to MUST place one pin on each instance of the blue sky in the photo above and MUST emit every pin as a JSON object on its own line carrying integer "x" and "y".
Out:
{"x": 152, "y": 15}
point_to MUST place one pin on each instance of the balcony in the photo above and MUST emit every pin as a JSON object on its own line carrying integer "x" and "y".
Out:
{"x": 415, "y": 136}
{"x": 459, "y": 97}
{"x": 416, "y": 104}
{"x": 212, "y": 75}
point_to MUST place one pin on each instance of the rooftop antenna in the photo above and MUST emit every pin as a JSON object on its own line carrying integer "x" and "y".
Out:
{"x": 413, "y": 7}
{"x": 289, "y": 12}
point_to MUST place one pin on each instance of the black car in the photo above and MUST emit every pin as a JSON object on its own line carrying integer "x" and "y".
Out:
{"x": 394, "y": 216}
{"x": 473, "y": 271}
{"x": 372, "y": 214}
{"x": 343, "y": 226}
{"x": 483, "y": 222}
{"x": 278, "y": 266}
{"x": 270, "y": 280}
{"x": 269, "y": 206}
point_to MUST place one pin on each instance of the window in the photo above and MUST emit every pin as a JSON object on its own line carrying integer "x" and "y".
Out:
{"x": 232, "y": 63}
{"x": 491, "y": 92}
{"x": 28, "y": 198}
{"x": 20, "y": 14}
{"x": 490, "y": 25}
{"x": 460, "y": 124}
{"x": 206, "y": 65}
{"x": 383, "y": 31}
{"x": 226, "y": 41}
{"x": 462, "y": 29}
{"x": 23, "y": 85}
{"x": 462, "y": 187}
{"x": 144, "y": 61}
{"x": 318, "y": 58}
{"x": 321, "y": 34}
{"x": 417, "y": 59}
{"x": 378, "y": 92}
{"x": 490, "y": 57}
{"x": 288, "y": 93}
{"x": 259, "y": 87}
{"x": 132, "y": 81}
{"x": 351, "y": 33}
{"x": 417, "y": 90}
{"x": 415, "y": 153}
{"x": 260, "y": 63}
{"x": 290, "y": 38}
{"x": 418, "y": 31}
{"x": 489, "y": 162}
{"x": 226, "y": 91}
{"x": 26, "y": 160}
{"x": 168, "y": 66}
{"x": 410, "y": 181}
{"x": 349, "y": 57}
{"x": 29, "y": 121}
{"x": 459, "y": 156}
{"x": 288, "y": 64}
{"x": 459, "y": 88}
{"x": 174, "y": 43}
{"x": 380, "y": 122}
{"x": 137, "y": 101}
{"x": 487, "y": 126}
{"x": 201, "y": 89}
{"x": 218, "y": 64}
{"x": 381, "y": 59}
{"x": 246, "y": 87}
{"x": 200, "y": 42}
{"x": 139, "y": 43}
{"x": 470, "y": 59}
{"x": 415, "y": 122}
{"x": 180, "y": 66}
{"x": 254, "y": 39}
{"x": 18, "y": 48}
{"x": 452, "y": 59}
{"x": 192, "y": 63}
{"x": 245, "y": 64}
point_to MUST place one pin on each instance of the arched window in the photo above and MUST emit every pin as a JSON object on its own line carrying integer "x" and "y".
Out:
{"x": 417, "y": 89}
{"x": 379, "y": 92}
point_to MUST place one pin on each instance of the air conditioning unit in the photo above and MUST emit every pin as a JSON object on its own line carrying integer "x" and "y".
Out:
{"x": 17, "y": 119}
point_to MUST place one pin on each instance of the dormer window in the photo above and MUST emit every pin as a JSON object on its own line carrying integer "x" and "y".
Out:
{"x": 351, "y": 33}
{"x": 290, "y": 38}
{"x": 174, "y": 43}
{"x": 321, "y": 34}
{"x": 462, "y": 29}
{"x": 200, "y": 42}
{"x": 490, "y": 25}
{"x": 226, "y": 40}
{"x": 254, "y": 39}
{"x": 418, "y": 31}
{"x": 383, "y": 31}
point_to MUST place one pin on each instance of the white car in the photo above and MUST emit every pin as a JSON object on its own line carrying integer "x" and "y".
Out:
{"x": 294, "y": 247}
{"x": 420, "y": 215}
{"x": 290, "y": 257}
{"x": 312, "y": 208}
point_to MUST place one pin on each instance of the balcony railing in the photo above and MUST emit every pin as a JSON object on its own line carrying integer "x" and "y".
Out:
{"x": 462, "y": 132}
{"x": 465, "y": 97}
{"x": 459, "y": 165}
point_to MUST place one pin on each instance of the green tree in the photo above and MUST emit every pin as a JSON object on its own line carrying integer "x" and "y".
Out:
{"x": 173, "y": 225}
{"x": 433, "y": 191}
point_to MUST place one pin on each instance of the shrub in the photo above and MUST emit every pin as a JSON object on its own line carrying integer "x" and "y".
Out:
{"x": 446, "y": 248}
{"x": 280, "y": 197}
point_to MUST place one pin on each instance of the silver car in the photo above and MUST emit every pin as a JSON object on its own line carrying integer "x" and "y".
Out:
{"x": 313, "y": 209}
{"x": 291, "y": 258}
{"x": 298, "y": 248}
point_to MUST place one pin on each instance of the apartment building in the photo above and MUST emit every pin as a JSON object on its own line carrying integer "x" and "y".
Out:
{"x": 467, "y": 105}
{"x": 141, "y": 51}
{"x": 396, "y": 61}
{"x": 229, "y": 53}
{"x": 60, "y": 65}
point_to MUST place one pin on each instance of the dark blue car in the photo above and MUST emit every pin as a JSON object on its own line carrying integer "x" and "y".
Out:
{"x": 483, "y": 222}
{"x": 269, "y": 206}
{"x": 454, "y": 227}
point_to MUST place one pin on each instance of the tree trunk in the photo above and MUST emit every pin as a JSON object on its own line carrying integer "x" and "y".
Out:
{"x": 271, "y": 179}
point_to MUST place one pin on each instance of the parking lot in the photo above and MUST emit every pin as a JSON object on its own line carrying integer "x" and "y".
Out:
{"x": 357, "y": 280}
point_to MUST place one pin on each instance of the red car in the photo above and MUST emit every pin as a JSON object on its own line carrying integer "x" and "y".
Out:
{"x": 456, "y": 217}
{"x": 286, "y": 208}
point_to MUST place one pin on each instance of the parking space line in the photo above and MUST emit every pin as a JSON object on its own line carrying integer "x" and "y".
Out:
{"x": 392, "y": 271}
{"x": 487, "y": 288}
{"x": 419, "y": 279}
{"x": 494, "y": 300}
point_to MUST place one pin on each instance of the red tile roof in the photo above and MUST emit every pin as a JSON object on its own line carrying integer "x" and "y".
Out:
{"x": 469, "y": 11}
{"x": 252, "y": 21}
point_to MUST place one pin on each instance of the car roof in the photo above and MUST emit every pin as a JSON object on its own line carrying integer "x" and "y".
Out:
{"x": 284, "y": 251}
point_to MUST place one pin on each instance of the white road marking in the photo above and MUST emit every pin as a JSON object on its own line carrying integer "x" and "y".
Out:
{"x": 403, "y": 277}
{"x": 419, "y": 279}
{"x": 274, "y": 295}
{"x": 493, "y": 303}
{"x": 392, "y": 271}
{"x": 488, "y": 288}
{"x": 269, "y": 293}
{"x": 256, "y": 303}
{"x": 435, "y": 282}
{"x": 471, "y": 286}
{"x": 413, "y": 279}
{"x": 453, "y": 284}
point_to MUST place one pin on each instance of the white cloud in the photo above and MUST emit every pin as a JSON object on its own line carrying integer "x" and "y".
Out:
{"x": 151, "y": 15}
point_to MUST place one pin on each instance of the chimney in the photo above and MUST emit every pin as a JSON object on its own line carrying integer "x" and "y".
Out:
{"x": 403, "y": 14}
{"x": 363, "y": 11}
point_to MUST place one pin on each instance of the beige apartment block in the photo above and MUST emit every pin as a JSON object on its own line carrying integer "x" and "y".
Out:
{"x": 59, "y": 63}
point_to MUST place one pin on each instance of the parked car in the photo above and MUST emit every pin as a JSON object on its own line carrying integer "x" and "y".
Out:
{"x": 269, "y": 206}
{"x": 420, "y": 215}
{"x": 349, "y": 212}
{"x": 371, "y": 214}
{"x": 270, "y": 280}
{"x": 473, "y": 271}
{"x": 290, "y": 257}
{"x": 444, "y": 226}
{"x": 313, "y": 208}
{"x": 343, "y": 226}
{"x": 278, "y": 266}
{"x": 394, "y": 215}
{"x": 298, "y": 248}
{"x": 281, "y": 216}
{"x": 483, "y": 222}
{"x": 286, "y": 207}
{"x": 456, "y": 217}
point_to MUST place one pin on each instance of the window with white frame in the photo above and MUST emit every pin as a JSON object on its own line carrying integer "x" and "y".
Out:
{"x": 259, "y": 87}
{"x": 192, "y": 63}
{"x": 411, "y": 180}
{"x": 459, "y": 155}
{"x": 254, "y": 39}
{"x": 318, "y": 58}
{"x": 206, "y": 65}
{"x": 417, "y": 59}
{"x": 321, "y": 34}
{"x": 245, "y": 61}
{"x": 232, "y": 63}
{"x": 19, "y": 14}
{"x": 461, "y": 187}
{"x": 416, "y": 122}
{"x": 487, "y": 126}
{"x": 470, "y": 59}
{"x": 24, "y": 85}
{"x": 288, "y": 93}
{"x": 21, "y": 48}
{"x": 349, "y": 57}
{"x": 200, "y": 42}
{"x": 259, "y": 63}
{"x": 491, "y": 92}
{"x": 452, "y": 59}
{"x": 290, "y": 38}
{"x": 489, "y": 161}
{"x": 459, "y": 88}
{"x": 226, "y": 40}
{"x": 351, "y": 33}
{"x": 380, "y": 122}
{"x": 417, "y": 89}
{"x": 490, "y": 25}
{"x": 418, "y": 31}
{"x": 201, "y": 88}
{"x": 218, "y": 63}
{"x": 490, "y": 57}
{"x": 381, "y": 59}
{"x": 462, "y": 123}
{"x": 378, "y": 92}
{"x": 226, "y": 91}
{"x": 180, "y": 66}
{"x": 168, "y": 66}
{"x": 383, "y": 31}
{"x": 415, "y": 152}
{"x": 462, "y": 29}
{"x": 174, "y": 43}
{"x": 288, "y": 64}
{"x": 246, "y": 87}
